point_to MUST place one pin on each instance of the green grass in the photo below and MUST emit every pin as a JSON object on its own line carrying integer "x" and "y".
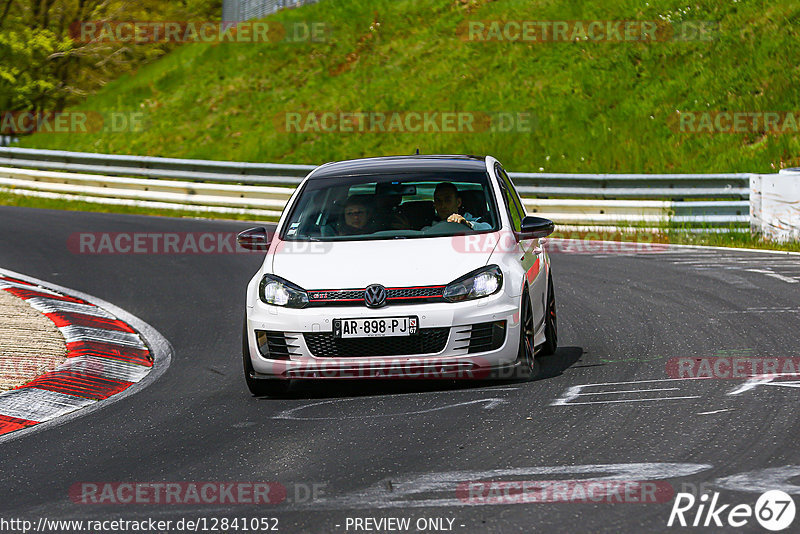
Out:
{"x": 598, "y": 106}
{"x": 737, "y": 238}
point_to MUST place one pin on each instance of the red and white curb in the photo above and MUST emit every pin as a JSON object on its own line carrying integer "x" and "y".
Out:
{"x": 108, "y": 353}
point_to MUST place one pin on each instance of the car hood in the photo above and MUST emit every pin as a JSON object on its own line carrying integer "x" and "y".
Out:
{"x": 391, "y": 263}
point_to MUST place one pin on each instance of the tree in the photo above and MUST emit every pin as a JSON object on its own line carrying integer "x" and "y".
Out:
{"x": 43, "y": 66}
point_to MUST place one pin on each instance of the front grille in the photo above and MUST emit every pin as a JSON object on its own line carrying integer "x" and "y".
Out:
{"x": 273, "y": 345}
{"x": 394, "y": 295}
{"x": 413, "y": 292}
{"x": 344, "y": 294}
{"x": 426, "y": 341}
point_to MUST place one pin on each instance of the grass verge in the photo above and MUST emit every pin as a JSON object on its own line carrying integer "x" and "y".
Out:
{"x": 593, "y": 106}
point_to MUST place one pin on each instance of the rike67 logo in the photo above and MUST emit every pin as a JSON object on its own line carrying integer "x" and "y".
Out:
{"x": 774, "y": 510}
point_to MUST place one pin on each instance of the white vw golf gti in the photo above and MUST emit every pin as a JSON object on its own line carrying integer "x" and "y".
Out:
{"x": 400, "y": 267}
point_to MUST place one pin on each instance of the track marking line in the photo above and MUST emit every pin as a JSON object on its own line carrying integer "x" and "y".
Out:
{"x": 290, "y": 413}
{"x": 626, "y": 400}
{"x": 629, "y": 391}
{"x": 766, "y": 310}
{"x": 765, "y": 380}
{"x": 573, "y": 392}
{"x": 773, "y": 274}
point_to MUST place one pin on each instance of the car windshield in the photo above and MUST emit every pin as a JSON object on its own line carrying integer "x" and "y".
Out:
{"x": 396, "y": 206}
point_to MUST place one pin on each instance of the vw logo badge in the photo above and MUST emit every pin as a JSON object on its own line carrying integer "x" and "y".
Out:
{"x": 375, "y": 296}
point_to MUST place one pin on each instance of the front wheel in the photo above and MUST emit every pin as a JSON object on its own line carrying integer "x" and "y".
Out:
{"x": 526, "y": 361}
{"x": 259, "y": 387}
{"x": 550, "y": 322}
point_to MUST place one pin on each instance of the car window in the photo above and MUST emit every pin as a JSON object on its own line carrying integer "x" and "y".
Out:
{"x": 391, "y": 206}
{"x": 511, "y": 200}
{"x": 513, "y": 191}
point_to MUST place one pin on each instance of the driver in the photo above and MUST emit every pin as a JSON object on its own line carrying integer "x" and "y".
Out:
{"x": 447, "y": 202}
{"x": 357, "y": 218}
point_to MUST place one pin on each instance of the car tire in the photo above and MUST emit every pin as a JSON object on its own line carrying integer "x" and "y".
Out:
{"x": 550, "y": 322}
{"x": 260, "y": 387}
{"x": 526, "y": 363}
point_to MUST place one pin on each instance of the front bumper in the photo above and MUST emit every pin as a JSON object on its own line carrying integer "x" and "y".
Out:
{"x": 302, "y": 358}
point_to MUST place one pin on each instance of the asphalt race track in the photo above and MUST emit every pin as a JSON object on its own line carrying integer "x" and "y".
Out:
{"x": 607, "y": 407}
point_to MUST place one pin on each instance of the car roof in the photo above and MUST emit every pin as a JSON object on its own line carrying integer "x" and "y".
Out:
{"x": 400, "y": 164}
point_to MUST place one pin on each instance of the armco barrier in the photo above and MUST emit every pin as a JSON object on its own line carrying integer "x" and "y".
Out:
{"x": 262, "y": 189}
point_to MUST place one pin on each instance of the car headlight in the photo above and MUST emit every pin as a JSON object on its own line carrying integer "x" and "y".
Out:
{"x": 279, "y": 292}
{"x": 477, "y": 284}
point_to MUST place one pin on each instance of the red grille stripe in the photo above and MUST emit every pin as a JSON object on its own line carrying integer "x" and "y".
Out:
{"x": 419, "y": 297}
{"x": 364, "y": 289}
{"x": 417, "y": 287}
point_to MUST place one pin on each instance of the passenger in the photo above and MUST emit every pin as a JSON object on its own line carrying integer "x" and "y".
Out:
{"x": 448, "y": 204}
{"x": 357, "y": 218}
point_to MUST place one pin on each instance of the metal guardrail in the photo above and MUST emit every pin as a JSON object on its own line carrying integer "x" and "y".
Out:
{"x": 150, "y": 167}
{"x": 241, "y": 10}
{"x": 262, "y": 189}
{"x": 666, "y": 186}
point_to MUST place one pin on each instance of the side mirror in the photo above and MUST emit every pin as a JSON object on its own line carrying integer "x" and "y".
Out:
{"x": 254, "y": 239}
{"x": 533, "y": 227}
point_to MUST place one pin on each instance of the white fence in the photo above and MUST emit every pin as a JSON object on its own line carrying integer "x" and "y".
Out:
{"x": 775, "y": 204}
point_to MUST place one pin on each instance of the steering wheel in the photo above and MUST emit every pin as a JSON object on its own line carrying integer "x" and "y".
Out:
{"x": 445, "y": 228}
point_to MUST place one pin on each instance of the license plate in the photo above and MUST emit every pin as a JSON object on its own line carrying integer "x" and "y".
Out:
{"x": 378, "y": 327}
